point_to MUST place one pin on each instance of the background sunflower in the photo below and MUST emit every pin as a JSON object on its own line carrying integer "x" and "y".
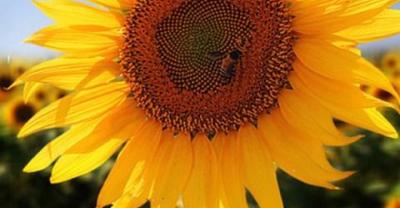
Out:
{"x": 372, "y": 187}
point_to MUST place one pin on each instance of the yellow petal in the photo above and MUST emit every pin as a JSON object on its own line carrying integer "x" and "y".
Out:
{"x": 137, "y": 153}
{"x": 74, "y": 13}
{"x": 30, "y": 89}
{"x": 140, "y": 183}
{"x": 232, "y": 184}
{"x": 68, "y": 73}
{"x": 73, "y": 165}
{"x": 76, "y": 107}
{"x": 139, "y": 193}
{"x": 332, "y": 62}
{"x": 174, "y": 156}
{"x": 336, "y": 92}
{"x": 292, "y": 159}
{"x": 328, "y": 16}
{"x": 259, "y": 172}
{"x": 218, "y": 143}
{"x": 121, "y": 123}
{"x": 383, "y": 25}
{"x": 311, "y": 117}
{"x": 305, "y": 143}
{"x": 202, "y": 188}
{"x": 59, "y": 145}
{"x": 81, "y": 44}
{"x": 368, "y": 118}
{"x": 119, "y": 4}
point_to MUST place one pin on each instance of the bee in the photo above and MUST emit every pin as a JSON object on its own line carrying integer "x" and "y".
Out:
{"x": 230, "y": 59}
{"x": 230, "y": 62}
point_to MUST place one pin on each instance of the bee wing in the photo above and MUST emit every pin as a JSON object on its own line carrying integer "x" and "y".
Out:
{"x": 216, "y": 55}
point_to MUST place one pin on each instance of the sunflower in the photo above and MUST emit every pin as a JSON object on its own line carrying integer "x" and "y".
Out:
{"x": 391, "y": 63}
{"x": 17, "y": 112}
{"x": 45, "y": 94}
{"x": 206, "y": 99}
{"x": 10, "y": 69}
{"x": 58, "y": 94}
{"x": 384, "y": 95}
{"x": 19, "y": 65}
{"x": 391, "y": 66}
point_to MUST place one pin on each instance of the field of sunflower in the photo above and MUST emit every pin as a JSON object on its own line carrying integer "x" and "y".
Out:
{"x": 201, "y": 104}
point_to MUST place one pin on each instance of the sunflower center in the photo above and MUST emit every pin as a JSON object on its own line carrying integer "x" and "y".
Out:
{"x": 40, "y": 95}
{"x": 206, "y": 66}
{"x": 23, "y": 112}
{"x": 392, "y": 63}
{"x": 195, "y": 40}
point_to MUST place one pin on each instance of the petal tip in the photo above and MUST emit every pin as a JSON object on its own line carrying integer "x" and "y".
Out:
{"x": 15, "y": 84}
{"x": 29, "y": 168}
{"x": 56, "y": 180}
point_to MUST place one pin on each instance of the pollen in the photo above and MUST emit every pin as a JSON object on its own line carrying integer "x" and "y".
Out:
{"x": 207, "y": 66}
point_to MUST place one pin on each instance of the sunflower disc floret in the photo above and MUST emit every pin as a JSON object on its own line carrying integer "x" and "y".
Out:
{"x": 205, "y": 65}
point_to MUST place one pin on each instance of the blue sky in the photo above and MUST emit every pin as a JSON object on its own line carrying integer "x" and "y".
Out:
{"x": 19, "y": 19}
